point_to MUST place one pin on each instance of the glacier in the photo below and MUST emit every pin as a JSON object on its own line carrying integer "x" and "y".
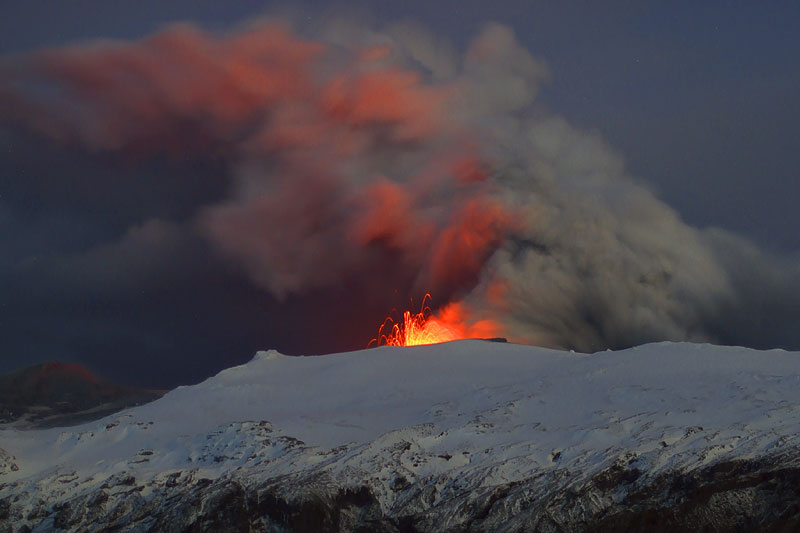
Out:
{"x": 460, "y": 436}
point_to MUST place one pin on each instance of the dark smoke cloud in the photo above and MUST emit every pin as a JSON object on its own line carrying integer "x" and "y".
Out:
{"x": 331, "y": 168}
{"x": 362, "y": 162}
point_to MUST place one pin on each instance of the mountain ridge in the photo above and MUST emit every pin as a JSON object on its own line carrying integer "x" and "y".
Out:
{"x": 464, "y": 436}
{"x": 57, "y": 393}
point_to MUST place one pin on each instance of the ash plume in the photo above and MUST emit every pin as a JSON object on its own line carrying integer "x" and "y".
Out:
{"x": 386, "y": 159}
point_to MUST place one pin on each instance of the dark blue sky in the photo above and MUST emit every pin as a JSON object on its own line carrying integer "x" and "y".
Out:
{"x": 699, "y": 97}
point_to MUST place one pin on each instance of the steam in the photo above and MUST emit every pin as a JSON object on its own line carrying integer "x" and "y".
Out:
{"x": 384, "y": 157}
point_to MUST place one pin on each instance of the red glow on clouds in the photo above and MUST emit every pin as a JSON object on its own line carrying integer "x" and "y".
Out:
{"x": 341, "y": 169}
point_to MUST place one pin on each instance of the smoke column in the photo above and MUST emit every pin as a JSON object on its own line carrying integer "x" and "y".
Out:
{"x": 385, "y": 158}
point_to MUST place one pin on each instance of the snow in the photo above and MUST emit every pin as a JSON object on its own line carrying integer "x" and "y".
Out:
{"x": 502, "y": 411}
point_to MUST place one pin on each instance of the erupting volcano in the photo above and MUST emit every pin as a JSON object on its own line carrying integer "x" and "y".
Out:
{"x": 425, "y": 328}
{"x": 414, "y": 330}
{"x": 307, "y": 168}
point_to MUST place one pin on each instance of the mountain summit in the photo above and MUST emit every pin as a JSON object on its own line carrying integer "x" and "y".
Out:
{"x": 462, "y": 436}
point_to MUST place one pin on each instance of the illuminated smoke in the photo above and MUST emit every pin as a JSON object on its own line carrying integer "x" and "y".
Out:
{"x": 360, "y": 149}
{"x": 416, "y": 329}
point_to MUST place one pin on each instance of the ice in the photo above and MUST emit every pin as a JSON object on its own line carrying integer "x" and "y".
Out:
{"x": 502, "y": 409}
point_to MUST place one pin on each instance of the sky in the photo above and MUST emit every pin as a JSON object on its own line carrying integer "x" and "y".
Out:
{"x": 152, "y": 264}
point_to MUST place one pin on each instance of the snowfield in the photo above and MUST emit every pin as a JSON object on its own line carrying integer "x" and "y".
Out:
{"x": 462, "y": 436}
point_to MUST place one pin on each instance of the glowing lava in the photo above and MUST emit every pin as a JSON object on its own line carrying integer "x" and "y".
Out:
{"x": 424, "y": 328}
{"x": 419, "y": 328}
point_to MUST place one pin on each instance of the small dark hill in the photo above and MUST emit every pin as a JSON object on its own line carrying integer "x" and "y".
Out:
{"x": 58, "y": 393}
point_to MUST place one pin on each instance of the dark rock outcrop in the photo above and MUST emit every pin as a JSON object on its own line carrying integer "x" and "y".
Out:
{"x": 738, "y": 495}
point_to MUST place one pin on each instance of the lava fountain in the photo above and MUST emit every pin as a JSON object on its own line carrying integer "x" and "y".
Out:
{"x": 416, "y": 329}
{"x": 425, "y": 328}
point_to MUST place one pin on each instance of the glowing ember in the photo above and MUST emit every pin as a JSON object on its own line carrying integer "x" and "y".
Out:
{"x": 419, "y": 328}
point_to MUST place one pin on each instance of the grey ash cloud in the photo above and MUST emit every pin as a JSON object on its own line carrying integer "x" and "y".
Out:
{"x": 177, "y": 201}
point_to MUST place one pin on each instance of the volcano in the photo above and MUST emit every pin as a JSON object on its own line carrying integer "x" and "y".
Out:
{"x": 460, "y": 436}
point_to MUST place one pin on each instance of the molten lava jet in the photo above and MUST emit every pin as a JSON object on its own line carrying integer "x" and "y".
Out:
{"x": 416, "y": 329}
{"x": 425, "y": 328}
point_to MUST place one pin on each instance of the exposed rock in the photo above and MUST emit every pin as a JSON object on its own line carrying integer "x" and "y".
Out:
{"x": 7, "y": 463}
{"x": 758, "y": 494}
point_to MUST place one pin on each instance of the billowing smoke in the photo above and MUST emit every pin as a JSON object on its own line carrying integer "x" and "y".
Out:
{"x": 385, "y": 159}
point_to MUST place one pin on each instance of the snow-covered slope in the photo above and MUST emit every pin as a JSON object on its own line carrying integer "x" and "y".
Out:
{"x": 467, "y": 435}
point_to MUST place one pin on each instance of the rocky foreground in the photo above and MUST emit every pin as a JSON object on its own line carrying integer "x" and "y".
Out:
{"x": 466, "y": 436}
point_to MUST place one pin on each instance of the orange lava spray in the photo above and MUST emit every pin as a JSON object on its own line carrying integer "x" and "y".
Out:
{"x": 417, "y": 329}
